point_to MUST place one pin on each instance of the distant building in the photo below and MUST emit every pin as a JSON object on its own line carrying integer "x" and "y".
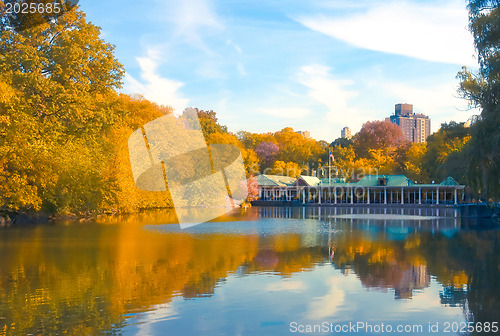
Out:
{"x": 346, "y": 133}
{"x": 305, "y": 134}
{"x": 415, "y": 127}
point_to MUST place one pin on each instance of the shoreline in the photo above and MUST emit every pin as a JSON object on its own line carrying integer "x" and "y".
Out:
{"x": 354, "y": 205}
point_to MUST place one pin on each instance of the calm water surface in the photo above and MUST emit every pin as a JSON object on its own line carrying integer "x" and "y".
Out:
{"x": 267, "y": 271}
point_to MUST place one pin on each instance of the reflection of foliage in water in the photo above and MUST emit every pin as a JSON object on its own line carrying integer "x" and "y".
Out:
{"x": 83, "y": 279}
{"x": 467, "y": 265}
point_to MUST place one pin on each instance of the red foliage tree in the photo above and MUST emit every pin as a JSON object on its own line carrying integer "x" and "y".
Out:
{"x": 253, "y": 189}
{"x": 377, "y": 134}
{"x": 267, "y": 151}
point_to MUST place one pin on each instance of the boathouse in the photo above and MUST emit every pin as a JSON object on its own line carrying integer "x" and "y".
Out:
{"x": 372, "y": 189}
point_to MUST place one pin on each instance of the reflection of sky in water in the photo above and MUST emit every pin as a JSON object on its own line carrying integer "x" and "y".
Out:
{"x": 248, "y": 273}
{"x": 265, "y": 303}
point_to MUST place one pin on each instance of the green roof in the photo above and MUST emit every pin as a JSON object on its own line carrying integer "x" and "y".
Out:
{"x": 449, "y": 181}
{"x": 274, "y": 180}
{"x": 391, "y": 180}
{"x": 367, "y": 181}
{"x": 334, "y": 180}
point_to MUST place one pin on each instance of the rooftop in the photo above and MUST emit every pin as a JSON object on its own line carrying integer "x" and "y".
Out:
{"x": 367, "y": 181}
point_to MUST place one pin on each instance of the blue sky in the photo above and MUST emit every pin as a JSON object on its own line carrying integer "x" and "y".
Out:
{"x": 312, "y": 65}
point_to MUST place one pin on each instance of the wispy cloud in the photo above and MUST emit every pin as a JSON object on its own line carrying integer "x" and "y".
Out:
{"x": 430, "y": 32}
{"x": 241, "y": 69}
{"x": 158, "y": 89}
{"x": 329, "y": 304}
{"x": 289, "y": 286}
{"x": 286, "y": 112}
{"x": 235, "y": 46}
{"x": 192, "y": 20}
{"x": 332, "y": 92}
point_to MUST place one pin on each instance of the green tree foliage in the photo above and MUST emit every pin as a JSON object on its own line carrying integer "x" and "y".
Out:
{"x": 445, "y": 153}
{"x": 483, "y": 91}
{"x": 408, "y": 161}
{"x": 342, "y": 142}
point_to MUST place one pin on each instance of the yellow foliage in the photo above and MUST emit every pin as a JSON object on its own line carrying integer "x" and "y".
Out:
{"x": 291, "y": 169}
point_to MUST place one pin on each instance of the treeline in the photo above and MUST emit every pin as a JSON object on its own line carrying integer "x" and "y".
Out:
{"x": 285, "y": 152}
{"x": 64, "y": 126}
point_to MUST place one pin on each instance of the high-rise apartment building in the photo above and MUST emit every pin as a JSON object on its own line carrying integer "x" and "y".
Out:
{"x": 305, "y": 134}
{"x": 346, "y": 133}
{"x": 415, "y": 127}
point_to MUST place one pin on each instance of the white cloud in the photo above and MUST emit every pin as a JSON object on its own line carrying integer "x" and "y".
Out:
{"x": 153, "y": 87}
{"x": 332, "y": 93}
{"x": 158, "y": 313}
{"x": 434, "y": 33}
{"x": 286, "y": 112}
{"x": 241, "y": 69}
{"x": 289, "y": 286}
{"x": 327, "y": 305}
{"x": 235, "y": 46}
{"x": 192, "y": 19}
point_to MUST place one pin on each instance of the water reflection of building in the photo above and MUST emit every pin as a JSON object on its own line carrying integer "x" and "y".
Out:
{"x": 393, "y": 219}
{"x": 416, "y": 277}
{"x": 452, "y": 296}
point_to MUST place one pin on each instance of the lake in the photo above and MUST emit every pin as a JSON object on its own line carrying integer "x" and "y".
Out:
{"x": 264, "y": 271}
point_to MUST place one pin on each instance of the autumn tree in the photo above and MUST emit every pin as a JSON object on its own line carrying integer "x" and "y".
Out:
{"x": 252, "y": 140}
{"x": 291, "y": 169}
{"x": 124, "y": 196}
{"x": 343, "y": 164}
{"x": 210, "y": 123}
{"x": 266, "y": 152}
{"x": 58, "y": 82}
{"x": 295, "y": 147}
{"x": 250, "y": 158}
{"x": 377, "y": 135}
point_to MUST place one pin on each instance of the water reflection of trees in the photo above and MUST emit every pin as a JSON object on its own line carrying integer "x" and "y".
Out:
{"x": 82, "y": 279}
{"x": 79, "y": 279}
{"x": 477, "y": 255}
{"x": 466, "y": 264}
{"x": 382, "y": 263}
